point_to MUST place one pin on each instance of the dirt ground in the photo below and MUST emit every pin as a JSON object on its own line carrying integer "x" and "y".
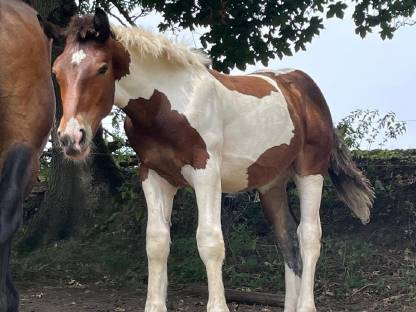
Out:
{"x": 52, "y": 296}
{"x": 108, "y": 298}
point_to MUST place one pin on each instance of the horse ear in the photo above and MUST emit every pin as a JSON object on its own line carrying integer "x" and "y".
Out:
{"x": 101, "y": 25}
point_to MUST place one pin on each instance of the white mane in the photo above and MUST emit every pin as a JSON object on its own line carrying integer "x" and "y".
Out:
{"x": 144, "y": 43}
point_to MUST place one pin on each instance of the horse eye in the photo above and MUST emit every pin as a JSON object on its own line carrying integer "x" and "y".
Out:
{"x": 103, "y": 69}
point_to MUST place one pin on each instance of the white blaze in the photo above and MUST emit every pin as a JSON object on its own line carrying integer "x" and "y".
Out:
{"x": 78, "y": 56}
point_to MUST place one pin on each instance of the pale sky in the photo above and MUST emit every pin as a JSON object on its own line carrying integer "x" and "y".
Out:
{"x": 352, "y": 72}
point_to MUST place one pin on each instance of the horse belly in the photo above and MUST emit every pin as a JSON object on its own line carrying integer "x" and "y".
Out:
{"x": 254, "y": 127}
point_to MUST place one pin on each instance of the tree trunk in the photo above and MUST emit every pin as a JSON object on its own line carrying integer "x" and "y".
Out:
{"x": 67, "y": 205}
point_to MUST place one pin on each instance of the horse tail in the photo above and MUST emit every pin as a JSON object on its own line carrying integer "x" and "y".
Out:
{"x": 352, "y": 186}
{"x": 13, "y": 181}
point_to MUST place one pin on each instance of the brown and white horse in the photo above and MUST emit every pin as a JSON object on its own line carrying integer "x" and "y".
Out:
{"x": 27, "y": 107}
{"x": 191, "y": 126}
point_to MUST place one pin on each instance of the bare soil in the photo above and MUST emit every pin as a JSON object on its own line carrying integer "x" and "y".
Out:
{"x": 53, "y": 296}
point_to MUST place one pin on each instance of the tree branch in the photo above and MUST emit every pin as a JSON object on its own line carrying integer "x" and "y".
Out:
{"x": 117, "y": 18}
{"x": 123, "y": 12}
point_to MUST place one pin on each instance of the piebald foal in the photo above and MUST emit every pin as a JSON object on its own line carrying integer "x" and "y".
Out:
{"x": 191, "y": 126}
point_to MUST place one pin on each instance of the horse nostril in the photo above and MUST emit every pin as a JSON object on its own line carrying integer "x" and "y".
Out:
{"x": 65, "y": 140}
{"x": 83, "y": 136}
{"x": 59, "y": 133}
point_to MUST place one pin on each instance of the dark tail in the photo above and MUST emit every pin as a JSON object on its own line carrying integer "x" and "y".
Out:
{"x": 352, "y": 186}
{"x": 13, "y": 181}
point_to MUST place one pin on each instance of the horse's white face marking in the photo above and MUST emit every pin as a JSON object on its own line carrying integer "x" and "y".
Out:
{"x": 78, "y": 56}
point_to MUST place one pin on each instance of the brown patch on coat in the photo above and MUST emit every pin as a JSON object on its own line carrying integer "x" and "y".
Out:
{"x": 248, "y": 85}
{"x": 163, "y": 138}
{"x": 121, "y": 60}
{"x": 311, "y": 146}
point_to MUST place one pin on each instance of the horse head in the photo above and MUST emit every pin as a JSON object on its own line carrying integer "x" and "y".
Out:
{"x": 86, "y": 72}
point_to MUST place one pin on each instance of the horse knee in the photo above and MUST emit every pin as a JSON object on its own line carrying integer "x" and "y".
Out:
{"x": 157, "y": 244}
{"x": 309, "y": 234}
{"x": 210, "y": 244}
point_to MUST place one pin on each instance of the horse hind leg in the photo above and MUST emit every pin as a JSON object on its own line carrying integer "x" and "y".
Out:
{"x": 275, "y": 206}
{"x": 309, "y": 233}
{"x": 13, "y": 183}
{"x": 12, "y": 294}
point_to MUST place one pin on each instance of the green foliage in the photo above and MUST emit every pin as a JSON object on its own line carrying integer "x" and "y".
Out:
{"x": 242, "y": 242}
{"x": 241, "y": 32}
{"x": 184, "y": 263}
{"x": 106, "y": 253}
{"x": 370, "y": 127}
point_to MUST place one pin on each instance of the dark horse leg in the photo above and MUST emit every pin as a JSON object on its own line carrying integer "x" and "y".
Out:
{"x": 276, "y": 208}
{"x": 13, "y": 182}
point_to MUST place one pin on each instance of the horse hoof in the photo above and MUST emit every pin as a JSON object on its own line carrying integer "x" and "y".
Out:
{"x": 306, "y": 309}
{"x": 155, "y": 307}
{"x": 222, "y": 308}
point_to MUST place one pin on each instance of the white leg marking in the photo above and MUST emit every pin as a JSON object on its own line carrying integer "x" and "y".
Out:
{"x": 292, "y": 287}
{"x": 309, "y": 234}
{"x": 207, "y": 185}
{"x": 78, "y": 57}
{"x": 159, "y": 197}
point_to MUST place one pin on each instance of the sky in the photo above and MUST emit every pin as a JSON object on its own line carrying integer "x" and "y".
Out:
{"x": 353, "y": 73}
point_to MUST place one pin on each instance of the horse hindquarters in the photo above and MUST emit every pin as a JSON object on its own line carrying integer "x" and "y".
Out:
{"x": 13, "y": 182}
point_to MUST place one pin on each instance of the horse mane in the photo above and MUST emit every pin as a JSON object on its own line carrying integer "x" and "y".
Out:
{"x": 145, "y": 44}
{"x": 81, "y": 29}
{"x": 138, "y": 42}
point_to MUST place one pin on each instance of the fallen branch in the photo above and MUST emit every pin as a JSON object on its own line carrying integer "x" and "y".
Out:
{"x": 239, "y": 296}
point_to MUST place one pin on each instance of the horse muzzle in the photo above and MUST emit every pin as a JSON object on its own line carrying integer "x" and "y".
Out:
{"x": 75, "y": 140}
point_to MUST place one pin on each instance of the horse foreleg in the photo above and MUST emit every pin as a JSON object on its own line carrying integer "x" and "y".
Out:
{"x": 207, "y": 185}
{"x": 309, "y": 233}
{"x": 159, "y": 197}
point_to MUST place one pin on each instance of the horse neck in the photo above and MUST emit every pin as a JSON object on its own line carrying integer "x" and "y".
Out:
{"x": 150, "y": 76}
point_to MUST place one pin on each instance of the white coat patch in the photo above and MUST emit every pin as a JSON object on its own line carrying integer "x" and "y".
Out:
{"x": 78, "y": 56}
{"x": 251, "y": 126}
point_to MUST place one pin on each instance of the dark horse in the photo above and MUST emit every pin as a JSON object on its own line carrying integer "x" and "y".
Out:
{"x": 27, "y": 106}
